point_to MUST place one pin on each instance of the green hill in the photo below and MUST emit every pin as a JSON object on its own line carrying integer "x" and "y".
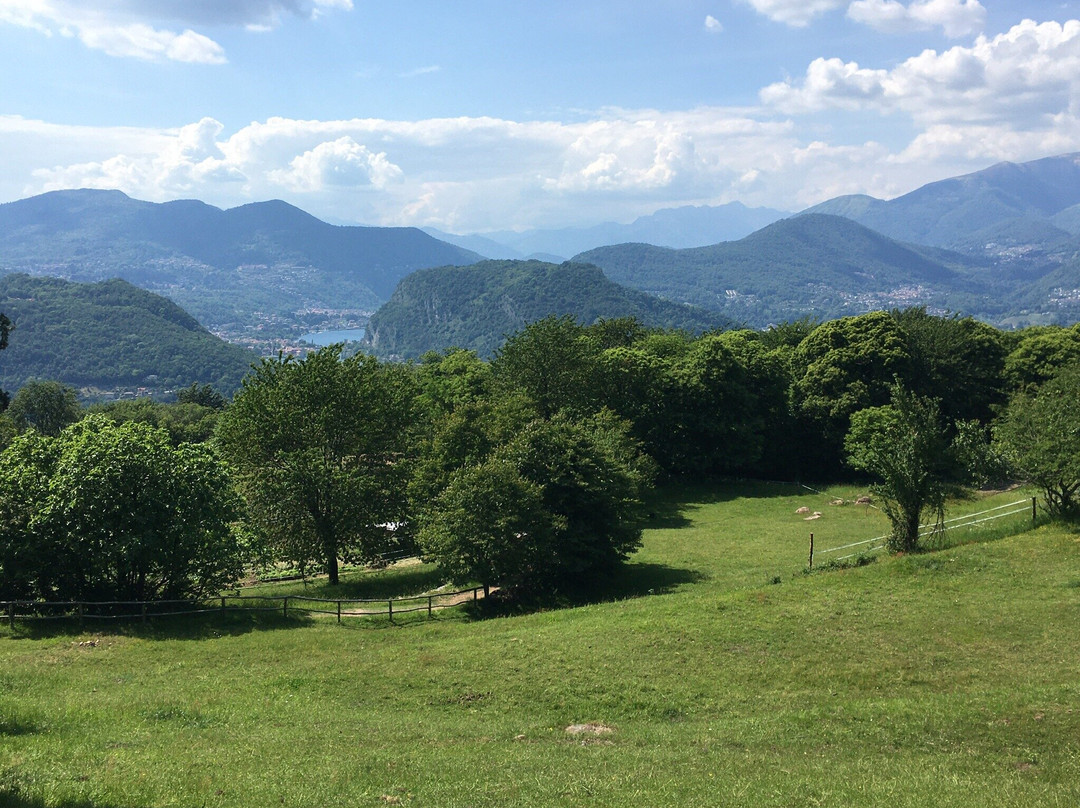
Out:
{"x": 825, "y": 265}
{"x": 476, "y": 307}
{"x": 109, "y": 335}
{"x": 267, "y": 265}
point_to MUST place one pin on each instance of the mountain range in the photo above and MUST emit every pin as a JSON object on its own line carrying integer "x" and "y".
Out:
{"x": 687, "y": 226}
{"x": 266, "y": 268}
{"x": 1002, "y": 244}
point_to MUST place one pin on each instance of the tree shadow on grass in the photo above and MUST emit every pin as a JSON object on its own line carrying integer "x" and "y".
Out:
{"x": 15, "y": 797}
{"x": 668, "y": 506}
{"x": 213, "y": 624}
{"x": 629, "y": 581}
{"x": 12, "y": 726}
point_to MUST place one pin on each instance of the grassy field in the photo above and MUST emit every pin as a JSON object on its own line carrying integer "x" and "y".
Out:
{"x": 719, "y": 674}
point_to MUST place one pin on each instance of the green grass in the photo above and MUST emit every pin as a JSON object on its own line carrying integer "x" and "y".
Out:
{"x": 944, "y": 679}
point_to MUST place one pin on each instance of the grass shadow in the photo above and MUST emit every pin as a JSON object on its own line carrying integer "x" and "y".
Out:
{"x": 214, "y": 624}
{"x": 669, "y": 505}
{"x": 630, "y": 581}
{"x": 15, "y": 797}
{"x": 12, "y": 726}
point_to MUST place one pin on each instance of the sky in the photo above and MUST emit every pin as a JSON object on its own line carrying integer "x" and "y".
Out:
{"x": 477, "y": 115}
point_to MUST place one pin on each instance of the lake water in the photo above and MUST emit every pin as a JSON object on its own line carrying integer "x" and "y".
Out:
{"x": 324, "y": 338}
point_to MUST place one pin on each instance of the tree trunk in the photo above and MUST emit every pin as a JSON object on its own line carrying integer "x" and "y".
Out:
{"x": 332, "y": 565}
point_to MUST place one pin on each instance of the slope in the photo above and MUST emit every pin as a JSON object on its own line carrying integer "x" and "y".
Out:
{"x": 258, "y": 265}
{"x": 955, "y": 212}
{"x": 825, "y": 265}
{"x": 109, "y": 335}
{"x": 476, "y": 307}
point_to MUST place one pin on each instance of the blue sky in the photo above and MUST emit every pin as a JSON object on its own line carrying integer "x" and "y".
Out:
{"x": 482, "y": 115}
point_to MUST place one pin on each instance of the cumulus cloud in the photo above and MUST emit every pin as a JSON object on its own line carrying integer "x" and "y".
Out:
{"x": 958, "y": 18}
{"x": 132, "y": 28}
{"x": 713, "y": 25}
{"x": 1020, "y": 78}
{"x": 342, "y": 162}
{"x": 798, "y": 13}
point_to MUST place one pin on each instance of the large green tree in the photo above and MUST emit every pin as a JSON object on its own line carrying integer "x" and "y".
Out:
{"x": 321, "y": 449}
{"x": 106, "y": 511}
{"x": 46, "y": 406}
{"x": 1039, "y": 435}
{"x": 902, "y": 445}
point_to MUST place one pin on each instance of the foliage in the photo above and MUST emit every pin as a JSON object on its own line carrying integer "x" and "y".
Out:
{"x": 957, "y": 360}
{"x": 903, "y": 446}
{"x": 476, "y": 307}
{"x": 489, "y": 524}
{"x": 185, "y": 423}
{"x": 110, "y": 334}
{"x": 321, "y": 450}
{"x": 1039, "y": 435}
{"x": 549, "y": 507}
{"x": 202, "y": 394}
{"x": 842, "y": 367}
{"x": 1040, "y": 354}
{"x": 45, "y": 406}
{"x": 114, "y": 512}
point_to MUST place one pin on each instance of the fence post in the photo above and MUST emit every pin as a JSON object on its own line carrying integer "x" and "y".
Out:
{"x": 811, "y": 551}
{"x": 1034, "y": 520}
{"x": 223, "y": 604}
{"x": 339, "y": 611}
{"x": 429, "y": 605}
{"x": 82, "y": 609}
{"x": 285, "y": 606}
{"x": 11, "y": 615}
{"x": 390, "y": 609}
{"x": 143, "y": 605}
{"x": 475, "y": 590}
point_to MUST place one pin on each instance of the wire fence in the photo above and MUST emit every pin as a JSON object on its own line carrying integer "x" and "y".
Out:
{"x": 967, "y": 520}
{"x": 112, "y": 610}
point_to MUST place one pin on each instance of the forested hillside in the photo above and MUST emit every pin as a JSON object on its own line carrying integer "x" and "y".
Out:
{"x": 109, "y": 335}
{"x": 476, "y": 307}
{"x": 827, "y": 266}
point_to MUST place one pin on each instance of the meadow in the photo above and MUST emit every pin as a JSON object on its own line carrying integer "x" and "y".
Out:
{"x": 715, "y": 671}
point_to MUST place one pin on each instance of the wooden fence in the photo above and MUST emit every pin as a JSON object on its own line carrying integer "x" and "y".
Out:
{"x": 83, "y": 611}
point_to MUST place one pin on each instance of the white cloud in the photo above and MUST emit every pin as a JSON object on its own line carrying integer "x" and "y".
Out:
{"x": 713, "y": 25}
{"x": 1020, "y": 79}
{"x": 342, "y": 162}
{"x": 131, "y": 28}
{"x": 420, "y": 71}
{"x": 143, "y": 42}
{"x": 958, "y": 18}
{"x": 798, "y": 13}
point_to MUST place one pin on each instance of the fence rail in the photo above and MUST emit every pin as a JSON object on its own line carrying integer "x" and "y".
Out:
{"x": 967, "y": 520}
{"x": 340, "y": 608}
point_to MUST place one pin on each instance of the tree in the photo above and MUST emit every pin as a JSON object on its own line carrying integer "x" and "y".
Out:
{"x": 45, "y": 406}
{"x": 844, "y": 366}
{"x": 903, "y": 446}
{"x": 553, "y": 361}
{"x": 6, "y": 327}
{"x": 489, "y": 525}
{"x": 554, "y": 505}
{"x": 320, "y": 445}
{"x": 202, "y": 394}
{"x": 114, "y": 512}
{"x": 1041, "y": 352}
{"x": 1039, "y": 435}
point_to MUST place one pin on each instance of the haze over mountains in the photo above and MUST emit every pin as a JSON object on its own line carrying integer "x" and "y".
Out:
{"x": 1002, "y": 244}
{"x": 687, "y": 226}
{"x": 267, "y": 269}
